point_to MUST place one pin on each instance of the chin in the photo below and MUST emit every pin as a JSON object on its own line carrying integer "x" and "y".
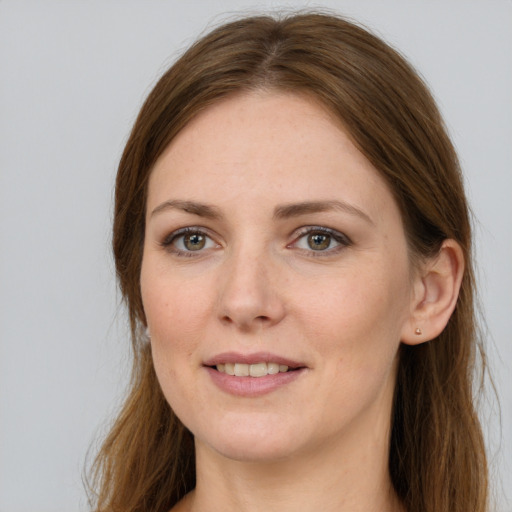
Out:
{"x": 253, "y": 452}
{"x": 256, "y": 442}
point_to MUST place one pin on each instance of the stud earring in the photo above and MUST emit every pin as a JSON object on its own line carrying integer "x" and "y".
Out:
{"x": 418, "y": 331}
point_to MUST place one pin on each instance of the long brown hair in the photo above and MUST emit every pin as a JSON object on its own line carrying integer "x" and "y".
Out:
{"x": 437, "y": 459}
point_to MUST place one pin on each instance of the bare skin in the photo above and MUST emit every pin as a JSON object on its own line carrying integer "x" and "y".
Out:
{"x": 269, "y": 235}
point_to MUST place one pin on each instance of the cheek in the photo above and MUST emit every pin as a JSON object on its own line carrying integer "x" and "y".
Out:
{"x": 363, "y": 301}
{"x": 175, "y": 308}
{"x": 175, "y": 312}
{"x": 359, "y": 318}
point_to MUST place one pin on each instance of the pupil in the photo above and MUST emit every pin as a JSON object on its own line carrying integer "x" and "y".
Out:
{"x": 318, "y": 241}
{"x": 194, "y": 242}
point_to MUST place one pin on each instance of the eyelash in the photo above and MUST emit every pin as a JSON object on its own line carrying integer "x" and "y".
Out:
{"x": 169, "y": 241}
{"x": 341, "y": 239}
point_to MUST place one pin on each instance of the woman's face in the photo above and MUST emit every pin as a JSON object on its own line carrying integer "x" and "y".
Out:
{"x": 270, "y": 241}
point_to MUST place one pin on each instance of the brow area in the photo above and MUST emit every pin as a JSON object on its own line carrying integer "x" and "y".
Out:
{"x": 296, "y": 209}
{"x": 199, "y": 209}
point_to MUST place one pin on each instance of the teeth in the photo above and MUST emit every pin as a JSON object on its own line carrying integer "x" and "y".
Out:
{"x": 253, "y": 370}
{"x": 272, "y": 368}
{"x": 241, "y": 370}
{"x": 258, "y": 370}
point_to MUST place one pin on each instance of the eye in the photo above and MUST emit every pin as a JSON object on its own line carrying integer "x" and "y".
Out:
{"x": 188, "y": 240}
{"x": 320, "y": 239}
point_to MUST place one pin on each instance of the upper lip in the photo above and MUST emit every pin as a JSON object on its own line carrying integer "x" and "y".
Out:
{"x": 254, "y": 358}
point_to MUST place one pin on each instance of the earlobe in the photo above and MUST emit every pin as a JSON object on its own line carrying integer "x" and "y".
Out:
{"x": 436, "y": 292}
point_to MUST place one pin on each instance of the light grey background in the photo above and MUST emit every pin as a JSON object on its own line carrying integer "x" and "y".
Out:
{"x": 72, "y": 77}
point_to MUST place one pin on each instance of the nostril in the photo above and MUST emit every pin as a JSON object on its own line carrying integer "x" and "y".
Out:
{"x": 250, "y": 308}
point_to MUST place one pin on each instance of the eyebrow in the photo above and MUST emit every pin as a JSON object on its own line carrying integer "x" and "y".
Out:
{"x": 285, "y": 211}
{"x": 199, "y": 209}
{"x": 296, "y": 209}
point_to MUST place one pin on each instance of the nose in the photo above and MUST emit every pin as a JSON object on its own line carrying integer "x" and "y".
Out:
{"x": 250, "y": 294}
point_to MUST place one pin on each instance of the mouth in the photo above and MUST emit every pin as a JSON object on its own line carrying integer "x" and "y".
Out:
{"x": 256, "y": 370}
{"x": 252, "y": 365}
{"x": 253, "y": 375}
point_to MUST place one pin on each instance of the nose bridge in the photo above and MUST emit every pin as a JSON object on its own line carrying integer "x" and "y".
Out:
{"x": 248, "y": 293}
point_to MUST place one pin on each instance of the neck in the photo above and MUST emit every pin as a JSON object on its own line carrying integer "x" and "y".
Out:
{"x": 353, "y": 477}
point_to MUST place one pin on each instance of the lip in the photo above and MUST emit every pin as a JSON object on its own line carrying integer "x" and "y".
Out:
{"x": 252, "y": 386}
{"x": 254, "y": 358}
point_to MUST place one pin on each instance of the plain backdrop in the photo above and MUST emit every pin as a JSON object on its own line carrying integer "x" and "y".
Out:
{"x": 73, "y": 75}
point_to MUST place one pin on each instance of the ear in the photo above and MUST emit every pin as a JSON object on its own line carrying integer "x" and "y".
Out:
{"x": 435, "y": 293}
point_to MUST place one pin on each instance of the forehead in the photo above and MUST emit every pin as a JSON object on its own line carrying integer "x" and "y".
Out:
{"x": 268, "y": 146}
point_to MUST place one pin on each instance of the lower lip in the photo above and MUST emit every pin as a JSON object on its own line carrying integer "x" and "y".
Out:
{"x": 252, "y": 386}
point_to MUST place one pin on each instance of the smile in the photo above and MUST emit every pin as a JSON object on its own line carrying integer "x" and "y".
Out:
{"x": 251, "y": 370}
{"x": 255, "y": 374}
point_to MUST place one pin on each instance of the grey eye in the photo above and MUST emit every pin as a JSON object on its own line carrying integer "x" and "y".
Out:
{"x": 319, "y": 241}
{"x": 190, "y": 241}
{"x": 194, "y": 241}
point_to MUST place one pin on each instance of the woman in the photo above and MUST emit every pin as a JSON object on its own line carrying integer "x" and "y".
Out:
{"x": 292, "y": 240}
